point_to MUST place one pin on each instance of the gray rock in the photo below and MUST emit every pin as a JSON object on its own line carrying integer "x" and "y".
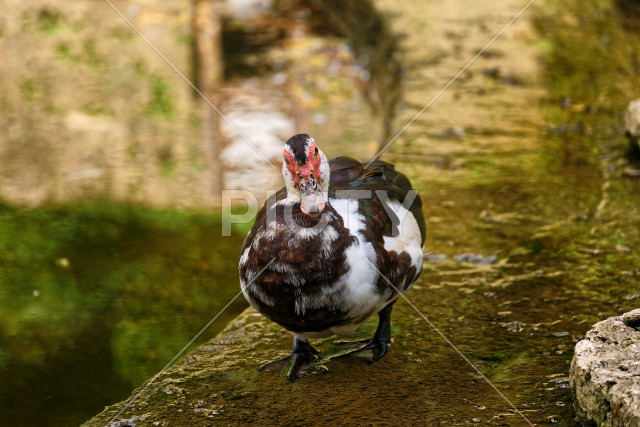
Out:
{"x": 471, "y": 258}
{"x": 605, "y": 373}
{"x": 632, "y": 122}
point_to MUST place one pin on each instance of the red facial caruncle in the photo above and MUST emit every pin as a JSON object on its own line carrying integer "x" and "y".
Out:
{"x": 307, "y": 179}
{"x": 312, "y": 166}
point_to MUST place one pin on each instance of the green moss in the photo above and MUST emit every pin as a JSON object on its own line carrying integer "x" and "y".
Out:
{"x": 5, "y": 357}
{"x": 29, "y": 90}
{"x": 159, "y": 105}
{"x": 166, "y": 161}
{"x": 140, "y": 68}
{"x": 63, "y": 51}
{"x": 91, "y": 56}
{"x": 592, "y": 66}
{"x": 98, "y": 110}
{"x": 49, "y": 20}
{"x": 592, "y": 59}
{"x": 87, "y": 56}
{"x": 123, "y": 34}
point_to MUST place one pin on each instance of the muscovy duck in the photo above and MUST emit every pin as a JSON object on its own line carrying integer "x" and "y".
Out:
{"x": 334, "y": 246}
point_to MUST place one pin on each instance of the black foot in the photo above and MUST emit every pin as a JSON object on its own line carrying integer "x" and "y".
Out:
{"x": 303, "y": 360}
{"x": 381, "y": 341}
{"x": 378, "y": 348}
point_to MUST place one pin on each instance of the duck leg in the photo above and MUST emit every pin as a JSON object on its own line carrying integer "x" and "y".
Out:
{"x": 303, "y": 357}
{"x": 381, "y": 341}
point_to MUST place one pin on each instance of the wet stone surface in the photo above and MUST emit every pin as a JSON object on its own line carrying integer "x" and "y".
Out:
{"x": 219, "y": 384}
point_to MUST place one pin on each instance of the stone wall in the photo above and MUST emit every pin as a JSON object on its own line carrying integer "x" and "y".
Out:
{"x": 89, "y": 110}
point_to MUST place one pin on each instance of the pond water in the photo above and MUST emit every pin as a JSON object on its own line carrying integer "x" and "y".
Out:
{"x": 95, "y": 299}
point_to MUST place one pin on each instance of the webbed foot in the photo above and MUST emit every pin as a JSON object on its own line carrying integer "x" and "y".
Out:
{"x": 381, "y": 341}
{"x": 304, "y": 359}
{"x": 378, "y": 348}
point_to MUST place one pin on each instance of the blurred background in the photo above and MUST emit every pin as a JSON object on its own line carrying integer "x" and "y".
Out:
{"x": 112, "y": 164}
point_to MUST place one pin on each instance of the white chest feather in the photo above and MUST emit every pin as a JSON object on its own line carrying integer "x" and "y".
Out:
{"x": 360, "y": 257}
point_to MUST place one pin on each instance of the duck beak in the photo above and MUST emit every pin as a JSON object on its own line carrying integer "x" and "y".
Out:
{"x": 311, "y": 203}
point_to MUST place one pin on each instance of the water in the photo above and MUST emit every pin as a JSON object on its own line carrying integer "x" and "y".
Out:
{"x": 97, "y": 298}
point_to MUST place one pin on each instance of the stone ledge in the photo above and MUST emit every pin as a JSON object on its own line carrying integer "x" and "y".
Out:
{"x": 218, "y": 384}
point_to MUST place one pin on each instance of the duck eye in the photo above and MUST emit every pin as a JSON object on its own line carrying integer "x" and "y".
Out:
{"x": 286, "y": 159}
{"x": 316, "y": 151}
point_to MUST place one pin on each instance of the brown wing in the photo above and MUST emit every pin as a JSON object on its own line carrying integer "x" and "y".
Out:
{"x": 348, "y": 173}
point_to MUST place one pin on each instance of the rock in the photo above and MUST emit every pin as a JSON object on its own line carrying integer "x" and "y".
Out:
{"x": 478, "y": 259}
{"x": 632, "y": 123}
{"x": 605, "y": 373}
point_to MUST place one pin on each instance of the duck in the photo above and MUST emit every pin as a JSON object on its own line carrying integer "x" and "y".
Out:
{"x": 339, "y": 243}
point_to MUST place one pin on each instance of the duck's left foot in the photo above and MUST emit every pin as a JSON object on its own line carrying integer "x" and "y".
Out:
{"x": 303, "y": 360}
{"x": 378, "y": 348}
{"x": 381, "y": 341}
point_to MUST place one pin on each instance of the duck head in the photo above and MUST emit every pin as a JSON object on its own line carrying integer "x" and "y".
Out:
{"x": 306, "y": 174}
